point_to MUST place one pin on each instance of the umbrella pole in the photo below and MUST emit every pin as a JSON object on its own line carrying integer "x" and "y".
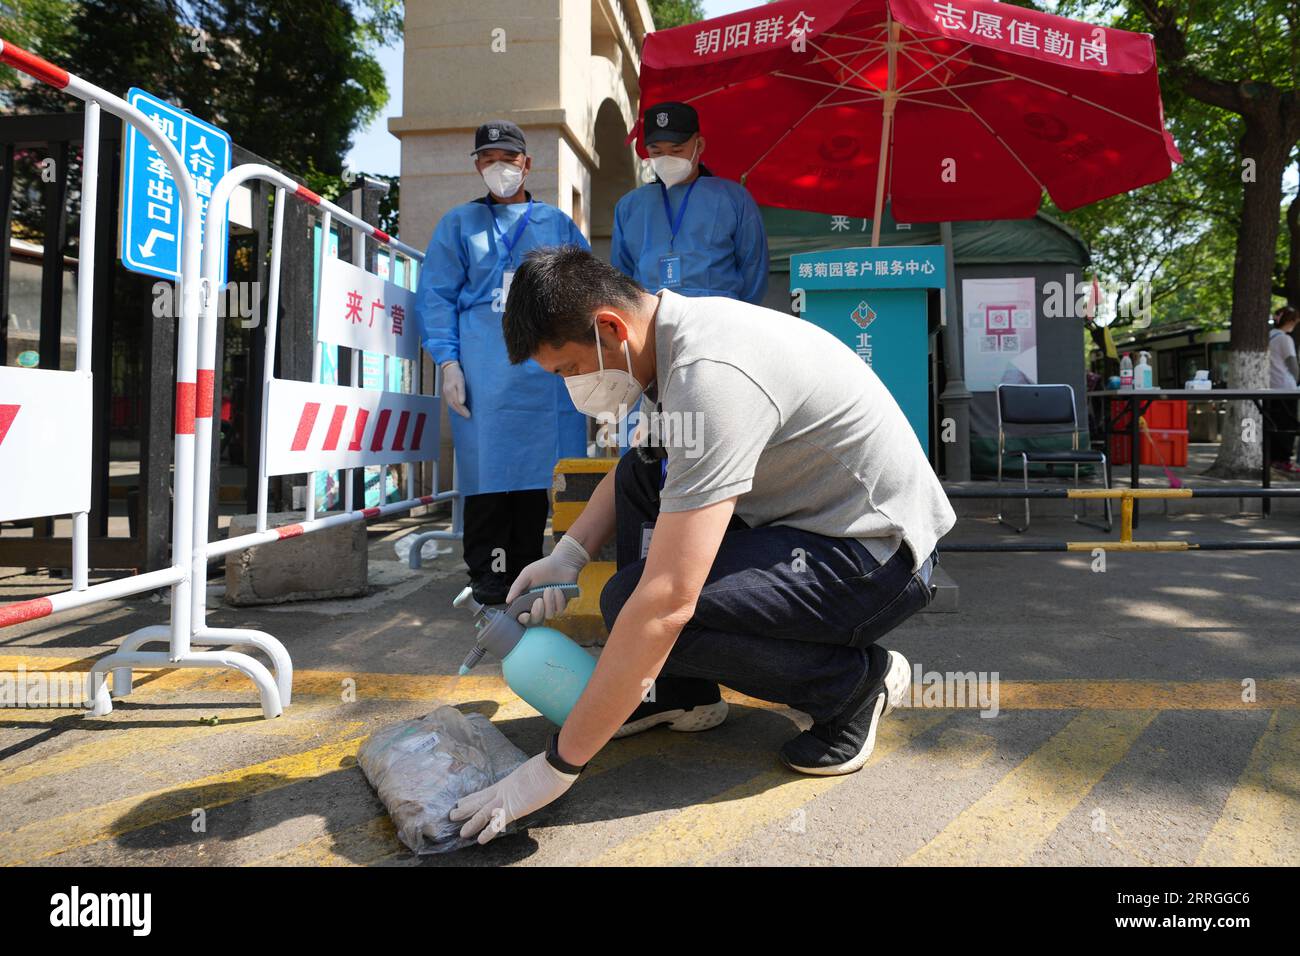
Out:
{"x": 956, "y": 397}
{"x": 886, "y": 126}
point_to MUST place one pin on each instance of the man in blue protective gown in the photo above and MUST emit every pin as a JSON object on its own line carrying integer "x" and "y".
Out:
{"x": 688, "y": 231}
{"x": 511, "y": 422}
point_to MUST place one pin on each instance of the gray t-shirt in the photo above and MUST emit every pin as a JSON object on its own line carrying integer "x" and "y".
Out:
{"x": 774, "y": 410}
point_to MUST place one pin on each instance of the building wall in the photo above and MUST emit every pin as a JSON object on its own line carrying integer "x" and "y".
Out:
{"x": 564, "y": 70}
{"x": 551, "y": 66}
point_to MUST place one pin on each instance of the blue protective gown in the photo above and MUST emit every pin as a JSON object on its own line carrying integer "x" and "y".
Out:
{"x": 721, "y": 240}
{"x": 521, "y": 417}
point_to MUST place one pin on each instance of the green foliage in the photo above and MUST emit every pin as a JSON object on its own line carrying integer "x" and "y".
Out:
{"x": 331, "y": 187}
{"x": 291, "y": 80}
{"x": 1182, "y": 233}
{"x": 675, "y": 13}
{"x": 41, "y": 26}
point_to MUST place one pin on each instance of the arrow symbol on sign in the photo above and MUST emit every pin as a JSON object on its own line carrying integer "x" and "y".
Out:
{"x": 146, "y": 247}
{"x": 7, "y": 415}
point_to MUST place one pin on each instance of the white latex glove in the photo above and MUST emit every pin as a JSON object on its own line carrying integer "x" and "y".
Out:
{"x": 561, "y": 566}
{"x": 531, "y": 786}
{"x": 453, "y": 388}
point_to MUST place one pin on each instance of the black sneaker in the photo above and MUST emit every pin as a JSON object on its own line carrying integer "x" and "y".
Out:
{"x": 683, "y": 703}
{"x": 490, "y": 588}
{"x": 843, "y": 746}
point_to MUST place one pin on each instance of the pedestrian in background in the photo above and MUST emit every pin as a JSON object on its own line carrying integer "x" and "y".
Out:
{"x": 1283, "y": 372}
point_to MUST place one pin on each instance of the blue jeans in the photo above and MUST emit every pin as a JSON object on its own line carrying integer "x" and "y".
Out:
{"x": 784, "y": 616}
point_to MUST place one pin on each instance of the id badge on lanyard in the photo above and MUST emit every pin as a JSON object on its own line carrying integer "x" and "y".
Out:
{"x": 670, "y": 265}
{"x": 508, "y": 275}
{"x": 670, "y": 271}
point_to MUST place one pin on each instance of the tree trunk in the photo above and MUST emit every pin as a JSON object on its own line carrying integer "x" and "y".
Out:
{"x": 1264, "y": 141}
{"x": 1290, "y": 288}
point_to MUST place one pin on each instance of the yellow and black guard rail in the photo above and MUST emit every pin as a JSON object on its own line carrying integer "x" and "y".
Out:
{"x": 1125, "y": 542}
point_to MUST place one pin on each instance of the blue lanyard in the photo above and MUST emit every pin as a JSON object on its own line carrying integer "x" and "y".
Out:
{"x": 509, "y": 243}
{"x": 675, "y": 224}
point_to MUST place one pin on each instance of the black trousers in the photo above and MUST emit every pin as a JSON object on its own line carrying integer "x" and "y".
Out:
{"x": 785, "y": 615}
{"x": 504, "y": 532}
{"x": 1282, "y": 411}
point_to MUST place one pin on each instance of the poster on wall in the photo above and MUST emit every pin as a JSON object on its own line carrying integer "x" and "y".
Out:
{"x": 1000, "y": 333}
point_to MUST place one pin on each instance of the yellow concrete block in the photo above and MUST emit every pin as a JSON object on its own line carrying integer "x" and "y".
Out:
{"x": 581, "y": 619}
{"x": 573, "y": 466}
{"x": 564, "y": 514}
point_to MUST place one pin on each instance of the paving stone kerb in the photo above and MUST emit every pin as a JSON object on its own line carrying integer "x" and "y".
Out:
{"x": 332, "y": 563}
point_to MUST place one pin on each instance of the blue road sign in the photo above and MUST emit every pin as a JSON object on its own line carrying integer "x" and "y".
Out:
{"x": 149, "y": 237}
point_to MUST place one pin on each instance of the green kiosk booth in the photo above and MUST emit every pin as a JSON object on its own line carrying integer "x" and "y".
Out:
{"x": 880, "y": 302}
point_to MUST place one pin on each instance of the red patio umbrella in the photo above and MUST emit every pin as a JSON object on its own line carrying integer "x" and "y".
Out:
{"x": 977, "y": 107}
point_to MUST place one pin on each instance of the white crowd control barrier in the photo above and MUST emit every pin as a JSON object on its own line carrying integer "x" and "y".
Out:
{"x": 312, "y": 426}
{"x": 63, "y": 397}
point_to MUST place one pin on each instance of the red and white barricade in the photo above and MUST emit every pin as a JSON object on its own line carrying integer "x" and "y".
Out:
{"x": 311, "y": 426}
{"x": 59, "y": 405}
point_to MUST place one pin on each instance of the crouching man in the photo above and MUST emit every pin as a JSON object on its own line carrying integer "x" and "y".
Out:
{"x": 785, "y": 522}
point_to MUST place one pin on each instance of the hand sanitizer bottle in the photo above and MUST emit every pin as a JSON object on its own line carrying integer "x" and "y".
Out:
{"x": 1142, "y": 374}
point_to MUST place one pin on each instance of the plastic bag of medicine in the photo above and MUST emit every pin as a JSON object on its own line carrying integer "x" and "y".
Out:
{"x": 420, "y": 768}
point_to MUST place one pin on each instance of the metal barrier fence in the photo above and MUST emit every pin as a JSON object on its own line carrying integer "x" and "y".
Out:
{"x": 291, "y": 416}
{"x": 62, "y": 407}
{"x": 177, "y": 575}
{"x": 1125, "y": 543}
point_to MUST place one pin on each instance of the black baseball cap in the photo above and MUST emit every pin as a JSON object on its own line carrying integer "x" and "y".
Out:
{"x": 499, "y": 134}
{"x": 669, "y": 123}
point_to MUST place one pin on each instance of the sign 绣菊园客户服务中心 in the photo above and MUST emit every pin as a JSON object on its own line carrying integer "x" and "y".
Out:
{"x": 874, "y": 300}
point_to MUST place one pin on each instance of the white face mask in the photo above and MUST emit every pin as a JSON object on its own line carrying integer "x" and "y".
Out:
{"x": 608, "y": 392}
{"x": 504, "y": 179}
{"x": 673, "y": 169}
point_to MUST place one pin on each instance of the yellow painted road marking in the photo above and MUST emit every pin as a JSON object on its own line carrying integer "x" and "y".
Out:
{"x": 374, "y": 840}
{"x": 324, "y": 684}
{"x": 1139, "y": 695}
{"x": 1012, "y": 694}
{"x": 1007, "y": 824}
{"x": 46, "y": 838}
{"x": 300, "y": 722}
{"x": 958, "y": 752}
{"x": 153, "y": 678}
{"x": 702, "y": 831}
{"x": 332, "y": 684}
{"x": 1260, "y": 823}
{"x": 360, "y": 845}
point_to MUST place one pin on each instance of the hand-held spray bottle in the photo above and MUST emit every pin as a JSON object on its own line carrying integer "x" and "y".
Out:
{"x": 541, "y": 665}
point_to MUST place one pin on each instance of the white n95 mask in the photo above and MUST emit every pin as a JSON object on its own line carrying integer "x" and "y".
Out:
{"x": 608, "y": 392}
{"x": 673, "y": 169}
{"x": 504, "y": 179}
